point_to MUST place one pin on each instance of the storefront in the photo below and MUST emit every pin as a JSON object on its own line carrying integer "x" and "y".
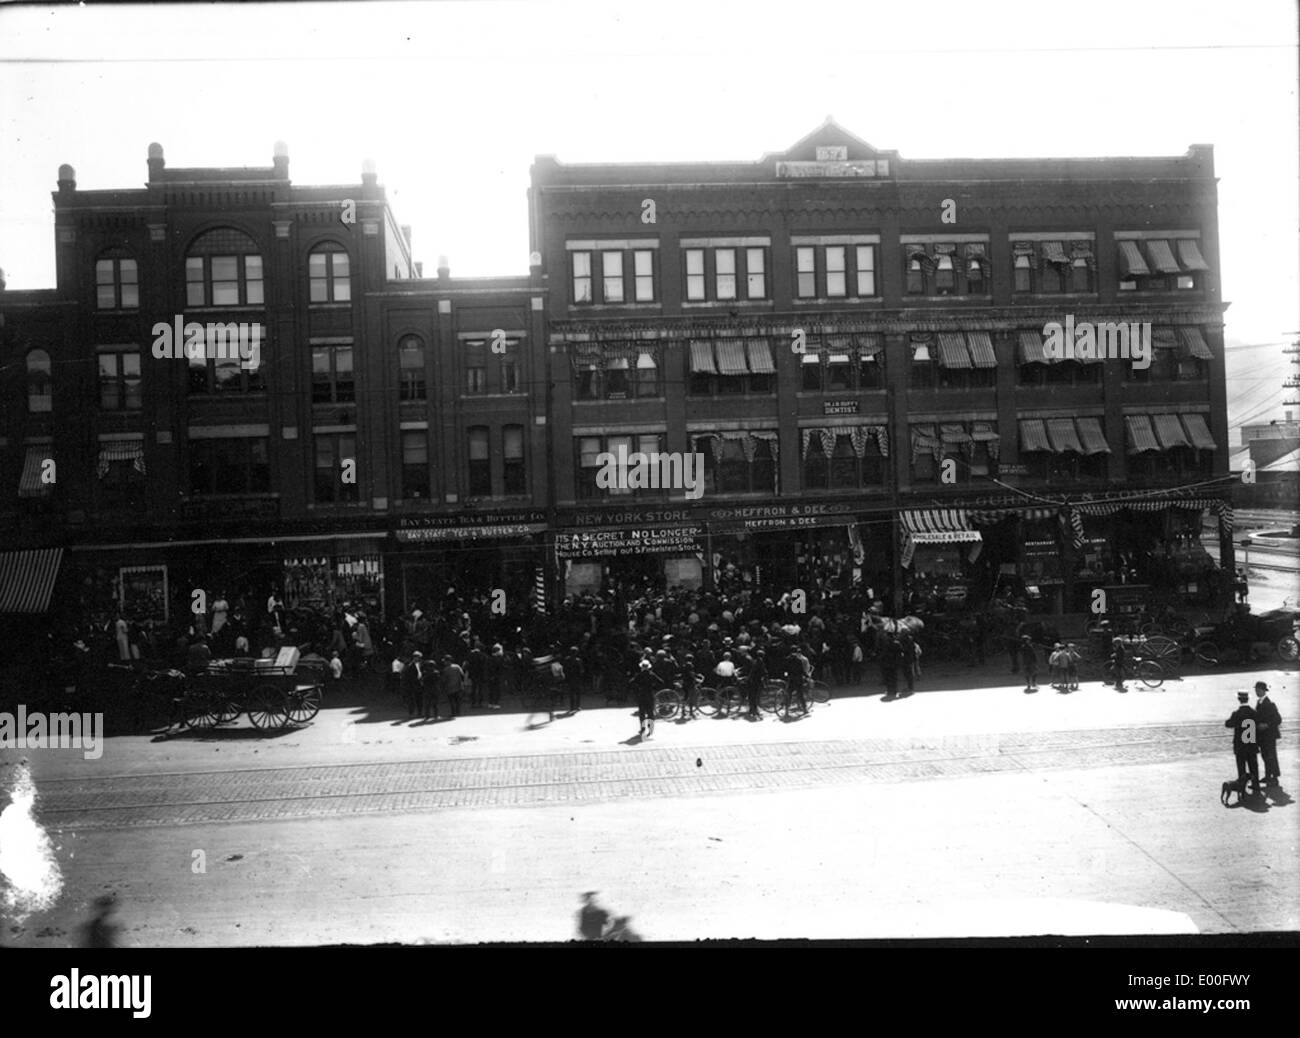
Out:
{"x": 637, "y": 558}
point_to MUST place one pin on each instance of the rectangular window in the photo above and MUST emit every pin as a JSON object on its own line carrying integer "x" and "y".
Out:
{"x": 923, "y": 367}
{"x": 806, "y": 272}
{"x": 332, "y": 379}
{"x": 335, "y": 471}
{"x": 589, "y": 450}
{"x": 194, "y": 286}
{"x": 509, "y": 374}
{"x": 1080, "y": 276}
{"x": 415, "y": 464}
{"x": 105, "y": 285}
{"x": 976, "y": 283}
{"x": 1051, "y": 280}
{"x": 410, "y": 370}
{"x": 871, "y": 373}
{"x": 755, "y": 274}
{"x": 582, "y": 277}
{"x": 725, "y": 273}
{"x": 229, "y": 466}
{"x": 328, "y": 278}
{"x": 611, "y": 268}
{"x": 945, "y": 275}
{"x": 839, "y": 372}
{"x": 811, "y": 380}
{"x": 643, "y": 265}
{"x": 647, "y": 375}
{"x": 1023, "y": 273}
{"x": 915, "y": 276}
{"x": 225, "y": 280}
{"x": 119, "y": 381}
{"x": 480, "y": 463}
{"x": 866, "y": 269}
{"x": 694, "y": 274}
{"x": 513, "y": 454}
{"x": 253, "y": 279}
{"x": 835, "y": 285}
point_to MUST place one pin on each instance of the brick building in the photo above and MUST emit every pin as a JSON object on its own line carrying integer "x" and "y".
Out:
{"x": 853, "y": 341}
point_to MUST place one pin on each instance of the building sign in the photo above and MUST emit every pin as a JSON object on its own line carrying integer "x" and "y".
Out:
{"x": 668, "y": 540}
{"x": 1012, "y": 470}
{"x": 627, "y": 517}
{"x": 856, "y": 168}
{"x": 839, "y": 407}
{"x": 832, "y": 153}
{"x": 474, "y": 527}
{"x": 757, "y": 518}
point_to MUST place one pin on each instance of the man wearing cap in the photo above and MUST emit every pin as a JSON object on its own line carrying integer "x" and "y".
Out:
{"x": 1270, "y": 724}
{"x": 1245, "y": 744}
{"x": 645, "y": 685}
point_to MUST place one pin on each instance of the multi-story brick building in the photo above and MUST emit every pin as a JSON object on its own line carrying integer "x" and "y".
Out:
{"x": 853, "y": 341}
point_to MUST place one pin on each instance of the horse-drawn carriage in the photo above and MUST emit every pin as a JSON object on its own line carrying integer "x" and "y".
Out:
{"x": 273, "y": 692}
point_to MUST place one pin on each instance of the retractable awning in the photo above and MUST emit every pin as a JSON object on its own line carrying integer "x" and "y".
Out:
{"x": 1033, "y": 435}
{"x": 27, "y": 579}
{"x": 1194, "y": 344}
{"x": 731, "y": 358}
{"x": 121, "y": 450}
{"x": 954, "y": 434}
{"x": 1190, "y": 254}
{"x": 1053, "y": 253}
{"x": 702, "y": 358}
{"x": 1141, "y": 437}
{"x": 1031, "y": 348}
{"x": 760, "y": 357}
{"x": 939, "y": 526}
{"x": 29, "y": 483}
{"x": 1162, "y": 257}
{"x": 952, "y": 351}
{"x": 1131, "y": 263}
{"x": 1169, "y": 431}
{"x": 1062, "y": 436}
{"x": 869, "y": 345}
{"x": 1198, "y": 432}
{"x": 981, "y": 350}
{"x": 1092, "y": 436}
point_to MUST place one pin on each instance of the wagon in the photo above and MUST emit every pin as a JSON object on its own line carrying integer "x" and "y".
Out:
{"x": 273, "y": 692}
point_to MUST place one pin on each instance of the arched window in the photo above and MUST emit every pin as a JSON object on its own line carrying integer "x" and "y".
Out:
{"x": 410, "y": 368}
{"x": 223, "y": 268}
{"x": 117, "y": 282}
{"x": 40, "y": 388}
{"x": 329, "y": 274}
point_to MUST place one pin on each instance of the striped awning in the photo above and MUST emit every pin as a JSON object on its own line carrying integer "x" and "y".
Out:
{"x": 869, "y": 345}
{"x": 1194, "y": 344}
{"x": 1031, "y": 348}
{"x": 983, "y": 432}
{"x": 954, "y": 434}
{"x": 1033, "y": 435}
{"x": 952, "y": 350}
{"x": 1062, "y": 436}
{"x": 1163, "y": 339}
{"x": 1053, "y": 253}
{"x": 702, "y": 358}
{"x": 731, "y": 358}
{"x": 27, "y": 579}
{"x": 939, "y": 526}
{"x": 29, "y": 484}
{"x": 1141, "y": 437}
{"x": 1169, "y": 431}
{"x": 121, "y": 450}
{"x": 1190, "y": 254}
{"x": 1162, "y": 256}
{"x": 1092, "y": 436}
{"x": 981, "y": 350}
{"x": 1198, "y": 432}
{"x": 760, "y": 357}
{"x": 1131, "y": 263}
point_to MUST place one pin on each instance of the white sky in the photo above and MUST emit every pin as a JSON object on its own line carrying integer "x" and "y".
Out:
{"x": 454, "y": 100}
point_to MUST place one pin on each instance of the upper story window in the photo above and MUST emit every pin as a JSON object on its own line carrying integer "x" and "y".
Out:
{"x": 739, "y": 462}
{"x": 844, "y": 363}
{"x": 731, "y": 366}
{"x": 335, "y": 471}
{"x": 117, "y": 282}
{"x": 972, "y": 447}
{"x": 953, "y": 360}
{"x": 119, "y": 380}
{"x": 232, "y": 361}
{"x": 416, "y": 483}
{"x": 841, "y": 459}
{"x": 1037, "y": 369}
{"x": 40, "y": 384}
{"x": 589, "y": 450}
{"x": 736, "y": 270}
{"x": 842, "y": 269}
{"x": 410, "y": 369}
{"x": 1160, "y": 264}
{"x": 223, "y": 268}
{"x": 475, "y": 369}
{"x": 480, "y": 462}
{"x": 332, "y": 378}
{"x": 945, "y": 268}
{"x": 329, "y": 274}
{"x": 1063, "y": 450}
{"x": 620, "y": 264}
{"x": 235, "y": 465}
{"x": 1053, "y": 267}
{"x": 615, "y": 371}
{"x": 514, "y": 474}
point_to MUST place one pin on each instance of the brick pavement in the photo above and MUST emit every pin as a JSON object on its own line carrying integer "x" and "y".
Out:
{"x": 130, "y": 801}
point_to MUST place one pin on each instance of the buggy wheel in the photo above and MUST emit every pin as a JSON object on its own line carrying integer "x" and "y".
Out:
{"x": 198, "y": 710}
{"x": 225, "y": 705}
{"x": 268, "y": 707}
{"x": 304, "y": 703}
{"x": 1288, "y": 648}
{"x": 667, "y": 703}
{"x": 819, "y": 692}
{"x": 1150, "y": 673}
{"x": 709, "y": 701}
{"x": 1208, "y": 653}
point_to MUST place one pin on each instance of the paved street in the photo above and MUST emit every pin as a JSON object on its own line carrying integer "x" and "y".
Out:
{"x": 979, "y": 810}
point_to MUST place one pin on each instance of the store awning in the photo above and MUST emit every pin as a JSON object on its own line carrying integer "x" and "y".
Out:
{"x": 981, "y": 350}
{"x": 1198, "y": 432}
{"x": 1141, "y": 437}
{"x": 1131, "y": 263}
{"x": 1190, "y": 254}
{"x": 1031, "y": 348}
{"x": 869, "y": 345}
{"x": 983, "y": 432}
{"x": 29, "y": 484}
{"x": 954, "y": 434}
{"x": 27, "y": 579}
{"x": 1169, "y": 431}
{"x": 731, "y": 358}
{"x": 1062, "y": 436}
{"x": 1033, "y": 435}
{"x": 121, "y": 450}
{"x": 939, "y": 526}
{"x": 1162, "y": 257}
{"x": 702, "y": 358}
{"x": 1194, "y": 344}
{"x": 1092, "y": 436}
{"x": 1053, "y": 253}
{"x": 952, "y": 350}
{"x": 760, "y": 357}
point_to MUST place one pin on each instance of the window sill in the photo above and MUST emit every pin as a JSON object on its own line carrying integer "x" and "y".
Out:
{"x": 225, "y": 308}
{"x": 329, "y": 306}
{"x": 605, "y": 307}
{"x": 837, "y": 300}
{"x": 724, "y": 304}
{"x": 984, "y": 298}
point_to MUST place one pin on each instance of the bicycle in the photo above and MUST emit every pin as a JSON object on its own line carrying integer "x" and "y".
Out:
{"x": 715, "y": 701}
{"x": 1147, "y": 671}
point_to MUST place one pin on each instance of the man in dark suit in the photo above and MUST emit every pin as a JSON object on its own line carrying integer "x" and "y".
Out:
{"x": 1270, "y": 724}
{"x": 1245, "y": 742}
